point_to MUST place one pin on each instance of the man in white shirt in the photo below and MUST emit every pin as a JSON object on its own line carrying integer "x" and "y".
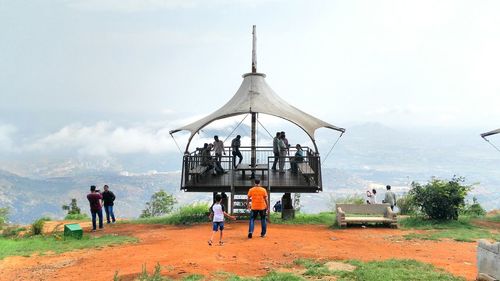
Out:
{"x": 218, "y": 148}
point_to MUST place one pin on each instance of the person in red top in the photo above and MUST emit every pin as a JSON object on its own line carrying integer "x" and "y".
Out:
{"x": 258, "y": 197}
{"x": 95, "y": 200}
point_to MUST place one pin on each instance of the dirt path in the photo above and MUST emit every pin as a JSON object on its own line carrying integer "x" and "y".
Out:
{"x": 184, "y": 250}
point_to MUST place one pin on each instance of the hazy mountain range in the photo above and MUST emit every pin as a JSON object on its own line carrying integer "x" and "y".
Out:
{"x": 367, "y": 156}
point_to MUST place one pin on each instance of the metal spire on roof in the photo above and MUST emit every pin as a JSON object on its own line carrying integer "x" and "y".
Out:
{"x": 254, "y": 50}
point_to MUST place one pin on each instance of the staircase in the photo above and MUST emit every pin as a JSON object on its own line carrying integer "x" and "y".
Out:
{"x": 239, "y": 207}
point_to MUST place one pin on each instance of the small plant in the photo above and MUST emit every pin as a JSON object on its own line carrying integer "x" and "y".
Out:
{"x": 406, "y": 205}
{"x": 161, "y": 203}
{"x": 473, "y": 210}
{"x": 156, "y": 276}
{"x": 37, "y": 226}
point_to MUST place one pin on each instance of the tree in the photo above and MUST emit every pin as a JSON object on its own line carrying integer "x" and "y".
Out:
{"x": 440, "y": 199}
{"x": 161, "y": 203}
{"x": 72, "y": 208}
{"x": 4, "y": 214}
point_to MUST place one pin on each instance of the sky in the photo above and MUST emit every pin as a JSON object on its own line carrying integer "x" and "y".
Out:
{"x": 102, "y": 77}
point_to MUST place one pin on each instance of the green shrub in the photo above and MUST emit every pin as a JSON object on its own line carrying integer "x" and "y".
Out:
{"x": 406, "y": 205}
{"x": 440, "y": 199}
{"x": 161, "y": 204}
{"x": 37, "y": 226}
{"x": 348, "y": 199}
{"x": 12, "y": 231}
{"x": 473, "y": 210}
{"x": 76, "y": 217}
{"x": 193, "y": 213}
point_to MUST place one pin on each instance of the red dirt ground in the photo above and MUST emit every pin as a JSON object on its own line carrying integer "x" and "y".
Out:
{"x": 184, "y": 250}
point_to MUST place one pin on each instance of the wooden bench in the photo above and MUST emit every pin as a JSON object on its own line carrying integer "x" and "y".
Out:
{"x": 365, "y": 213}
{"x": 197, "y": 171}
{"x": 306, "y": 171}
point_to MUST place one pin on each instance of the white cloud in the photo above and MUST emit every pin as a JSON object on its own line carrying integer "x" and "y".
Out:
{"x": 105, "y": 138}
{"x": 6, "y": 138}
{"x": 130, "y": 5}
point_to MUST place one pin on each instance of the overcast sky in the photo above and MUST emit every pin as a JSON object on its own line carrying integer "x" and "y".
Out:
{"x": 73, "y": 66}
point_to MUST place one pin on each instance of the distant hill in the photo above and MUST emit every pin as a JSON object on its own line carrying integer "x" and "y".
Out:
{"x": 367, "y": 156}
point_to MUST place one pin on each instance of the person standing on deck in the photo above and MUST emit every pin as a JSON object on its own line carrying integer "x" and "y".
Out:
{"x": 259, "y": 206}
{"x": 218, "y": 151}
{"x": 285, "y": 140}
{"x": 276, "y": 150}
{"x": 235, "y": 145}
{"x": 282, "y": 151}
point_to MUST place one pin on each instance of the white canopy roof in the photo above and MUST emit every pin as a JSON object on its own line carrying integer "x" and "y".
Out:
{"x": 255, "y": 95}
{"x": 490, "y": 133}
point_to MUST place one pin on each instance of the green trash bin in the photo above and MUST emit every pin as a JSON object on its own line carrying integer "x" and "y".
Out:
{"x": 73, "y": 230}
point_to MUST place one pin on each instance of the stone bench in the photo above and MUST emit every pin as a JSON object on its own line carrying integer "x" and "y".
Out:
{"x": 365, "y": 213}
{"x": 488, "y": 260}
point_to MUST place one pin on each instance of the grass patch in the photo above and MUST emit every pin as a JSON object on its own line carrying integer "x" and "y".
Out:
{"x": 326, "y": 218}
{"x": 189, "y": 214}
{"x": 280, "y": 276}
{"x": 495, "y": 218}
{"x": 41, "y": 244}
{"x": 313, "y": 268}
{"x": 193, "y": 277}
{"x": 460, "y": 230}
{"x": 395, "y": 270}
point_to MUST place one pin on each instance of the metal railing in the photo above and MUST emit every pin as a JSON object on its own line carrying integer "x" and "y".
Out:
{"x": 197, "y": 170}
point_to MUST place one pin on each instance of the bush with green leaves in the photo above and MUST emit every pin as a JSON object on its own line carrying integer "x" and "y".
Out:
{"x": 161, "y": 203}
{"x": 348, "y": 199}
{"x": 406, "y": 205}
{"x": 37, "y": 226}
{"x": 440, "y": 199}
{"x": 473, "y": 210}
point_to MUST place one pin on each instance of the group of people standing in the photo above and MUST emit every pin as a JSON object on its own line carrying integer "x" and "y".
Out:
{"x": 281, "y": 148}
{"x": 389, "y": 198}
{"x": 97, "y": 201}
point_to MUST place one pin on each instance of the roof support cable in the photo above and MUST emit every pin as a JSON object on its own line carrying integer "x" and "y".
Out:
{"x": 494, "y": 146}
{"x": 265, "y": 129}
{"x": 236, "y": 127}
{"x": 178, "y": 147}
{"x": 331, "y": 149}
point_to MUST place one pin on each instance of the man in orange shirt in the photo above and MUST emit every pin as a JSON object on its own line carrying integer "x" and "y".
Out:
{"x": 258, "y": 196}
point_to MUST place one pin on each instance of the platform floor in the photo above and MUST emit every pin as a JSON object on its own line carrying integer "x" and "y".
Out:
{"x": 278, "y": 182}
